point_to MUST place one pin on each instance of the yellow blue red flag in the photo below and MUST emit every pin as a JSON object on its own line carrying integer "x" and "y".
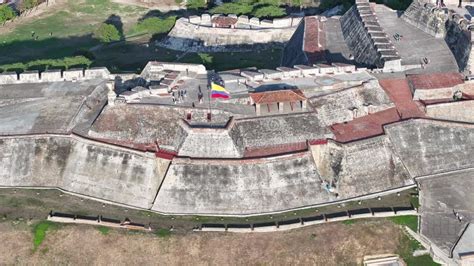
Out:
{"x": 217, "y": 91}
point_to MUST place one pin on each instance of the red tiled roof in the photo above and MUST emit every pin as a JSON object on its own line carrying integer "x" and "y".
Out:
{"x": 278, "y": 96}
{"x": 435, "y": 80}
{"x": 224, "y": 21}
{"x": 364, "y": 127}
{"x": 314, "y": 40}
{"x": 400, "y": 93}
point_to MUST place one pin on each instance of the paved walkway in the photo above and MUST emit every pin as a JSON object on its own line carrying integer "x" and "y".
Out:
{"x": 416, "y": 44}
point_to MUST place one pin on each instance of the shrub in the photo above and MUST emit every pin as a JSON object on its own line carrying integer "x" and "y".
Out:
{"x": 107, "y": 33}
{"x": 44, "y": 64}
{"x": 6, "y": 13}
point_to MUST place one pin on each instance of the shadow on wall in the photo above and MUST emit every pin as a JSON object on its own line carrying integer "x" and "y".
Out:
{"x": 199, "y": 46}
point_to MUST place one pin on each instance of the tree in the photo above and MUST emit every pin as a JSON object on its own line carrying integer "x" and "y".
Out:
{"x": 107, "y": 33}
{"x": 6, "y": 13}
{"x": 269, "y": 11}
{"x": 196, "y": 4}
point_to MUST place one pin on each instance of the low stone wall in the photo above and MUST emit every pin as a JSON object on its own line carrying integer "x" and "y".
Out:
{"x": 302, "y": 222}
{"x": 54, "y": 75}
{"x": 244, "y": 21}
{"x": 97, "y": 220}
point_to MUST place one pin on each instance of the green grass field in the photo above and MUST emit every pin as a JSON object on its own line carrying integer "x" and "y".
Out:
{"x": 39, "y": 232}
{"x": 67, "y": 32}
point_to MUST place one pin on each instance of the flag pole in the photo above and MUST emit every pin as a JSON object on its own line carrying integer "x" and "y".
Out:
{"x": 209, "y": 85}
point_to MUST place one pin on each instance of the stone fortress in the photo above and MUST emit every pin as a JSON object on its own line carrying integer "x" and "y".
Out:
{"x": 219, "y": 33}
{"x": 364, "y": 119}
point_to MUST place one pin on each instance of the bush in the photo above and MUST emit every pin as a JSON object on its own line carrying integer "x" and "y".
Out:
{"x": 155, "y": 25}
{"x": 6, "y": 13}
{"x": 45, "y": 64}
{"x": 258, "y": 8}
{"x": 107, "y": 33}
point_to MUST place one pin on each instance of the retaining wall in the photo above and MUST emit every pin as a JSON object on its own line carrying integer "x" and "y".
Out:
{"x": 80, "y": 166}
{"x": 186, "y": 36}
{"x": 54, "y": 75}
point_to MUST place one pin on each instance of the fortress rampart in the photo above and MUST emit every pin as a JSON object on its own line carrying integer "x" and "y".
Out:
{"x": 367, "y": 40}
{"x": 197, "y": 33}
{"x": 54, "y": 75}
{"x": 444, "y": 23}
{"x": 329, "y": 172}
{"x": 81, "y": 166}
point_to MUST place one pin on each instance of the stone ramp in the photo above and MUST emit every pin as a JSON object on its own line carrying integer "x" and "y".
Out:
{"x": 415, "y": 44}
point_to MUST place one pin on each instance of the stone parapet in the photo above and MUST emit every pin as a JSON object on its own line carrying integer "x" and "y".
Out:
{"x": 54, "y": 75}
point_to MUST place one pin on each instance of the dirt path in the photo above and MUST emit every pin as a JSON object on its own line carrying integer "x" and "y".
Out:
{"x": 331, "y": 244}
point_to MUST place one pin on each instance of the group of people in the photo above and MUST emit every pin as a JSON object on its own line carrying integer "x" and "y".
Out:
{"x": 179, "y": 95}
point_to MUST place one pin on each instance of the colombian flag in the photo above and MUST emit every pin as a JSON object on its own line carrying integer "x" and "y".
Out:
{"x": 217, "y": 91}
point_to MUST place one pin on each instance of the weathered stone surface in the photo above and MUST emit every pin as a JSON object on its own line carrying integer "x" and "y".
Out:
{"x": 441, "y": 197}
{"x": 350, "y": 103}
{"x": 461, "y": 111}
{"x": 240, "y": 187}
{"x": 281, "y": 129}
{"x": 360, "y": 167}
{"x": 186, "y": 36}
{"x": 146, "y": 124}
{"x": 48, "y": 107}
{"x": 82, "y": 167}
{"x": 429, "y": 147}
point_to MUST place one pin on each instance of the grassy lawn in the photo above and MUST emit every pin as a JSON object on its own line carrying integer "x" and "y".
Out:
{"x": 103, "y": 230}
{"x": 64, "y": 32}
{"x": 39, "y": 232}
{"x": 409, "y": 220}
{"x": 406, "y": 248}
{"x": 67, "y": 32}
